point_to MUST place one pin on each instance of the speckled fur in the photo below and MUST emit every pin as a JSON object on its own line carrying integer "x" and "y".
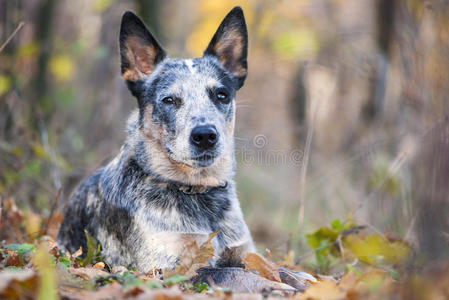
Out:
{"x": 134, "y": 206}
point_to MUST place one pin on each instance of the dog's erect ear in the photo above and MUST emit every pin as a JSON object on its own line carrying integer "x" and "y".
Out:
{"x": 230, "y": 44}
{"x": 139, "y": 50}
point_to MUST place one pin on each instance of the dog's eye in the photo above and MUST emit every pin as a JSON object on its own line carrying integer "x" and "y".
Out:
{"x": 168, "y": 100}
{"x": 222, "y": 96}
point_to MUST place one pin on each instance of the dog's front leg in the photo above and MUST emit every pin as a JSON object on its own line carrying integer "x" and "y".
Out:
{"x": 236, "y": 238}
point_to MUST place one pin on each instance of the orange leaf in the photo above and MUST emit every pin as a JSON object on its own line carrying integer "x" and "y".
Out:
{"x": 99, "y": 265}
{"x": 265, "y": 268}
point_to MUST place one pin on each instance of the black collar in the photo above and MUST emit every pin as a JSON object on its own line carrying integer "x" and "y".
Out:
{"x": 197, "y": 189}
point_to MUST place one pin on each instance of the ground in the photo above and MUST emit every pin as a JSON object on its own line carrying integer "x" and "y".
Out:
{"x": 351, "y": 262}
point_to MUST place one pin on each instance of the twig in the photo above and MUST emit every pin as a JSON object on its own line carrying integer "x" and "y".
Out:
{"x": 304, "y": 172}
{"x": 12, "y": 35}
{"x": 392, "y": 170}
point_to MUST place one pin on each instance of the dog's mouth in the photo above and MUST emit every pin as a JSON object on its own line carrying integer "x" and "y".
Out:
{"x": 204, "y": 160}
{"x": 205, "y": 156}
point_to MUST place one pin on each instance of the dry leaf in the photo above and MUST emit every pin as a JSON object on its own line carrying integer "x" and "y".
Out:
{"x": 298, "y": 280}
{"x": 240, "y": 280}
{"x": 88, "y": 273}
{"x": 11, "y": 218}
{"x": 13, "y": 259}
{"x": 323, "y": 290}
{"x": 265, "y": 268}
{"x": 111, "y": 291}
{"x": 99, "y": 265}
{"x": 78, "y": 252}
{"x": 13, "y": 283}
{"x": 194, "y": 257}
{"x": 119, "y": 269}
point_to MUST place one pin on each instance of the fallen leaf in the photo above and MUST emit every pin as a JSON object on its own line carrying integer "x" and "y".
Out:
{"x": 111, "y": 291}
{"x": 240, "y": 280}
{"x": 99, "y": 265}
{"x": 119, "y": 269}
{"x": 373, "y": 248}
{"x": 72, "y": 293}
{"x": 323, "y": 290}
{"x": 133, "y": 291}
{"x": 13, "y": 259}
{"x": 10, "y": 219}
{"x": 298, "y": 280}
{"x": 265, "y": 268}
{"x": 193, "y": 257}
{"x": 15, "y": 284}
{"x": 78, "y": 252}
{"x": 68, "y": 280}
{"x": 88, "y": 273}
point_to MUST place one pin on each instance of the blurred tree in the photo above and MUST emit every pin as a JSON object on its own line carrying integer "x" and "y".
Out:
{"x": 385, "y": 19}
{"x": 431, "y": 191}
{"x": 44, "y": 38}
{"x": 150, "y": 12}
{"x": 298, "y": 103}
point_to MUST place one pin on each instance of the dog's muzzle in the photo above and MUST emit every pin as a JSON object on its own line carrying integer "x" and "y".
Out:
{"x": 204, "y": 137}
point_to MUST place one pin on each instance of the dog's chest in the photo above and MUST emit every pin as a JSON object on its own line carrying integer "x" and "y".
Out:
{"x": 170, "y": 209}
{"x": 168, "y": 220}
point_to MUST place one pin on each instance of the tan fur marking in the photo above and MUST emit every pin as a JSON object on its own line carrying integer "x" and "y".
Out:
{"x": 141, "y": 59}
{"x": 228, "y": 49}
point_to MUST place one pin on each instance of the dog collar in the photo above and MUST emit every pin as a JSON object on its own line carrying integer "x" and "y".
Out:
{"x": 198, "y": 189}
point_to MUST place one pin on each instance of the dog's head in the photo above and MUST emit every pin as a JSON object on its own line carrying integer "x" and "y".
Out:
{"x": 186, "y": 106}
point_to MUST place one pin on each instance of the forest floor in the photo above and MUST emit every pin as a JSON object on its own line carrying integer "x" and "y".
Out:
{"x": 351, "y": 262}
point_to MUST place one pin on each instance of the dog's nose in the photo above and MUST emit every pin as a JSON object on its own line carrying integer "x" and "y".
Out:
{"x": 204, "y": 137}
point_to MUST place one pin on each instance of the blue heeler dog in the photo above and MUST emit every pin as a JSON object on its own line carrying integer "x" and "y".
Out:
{"x": 173, "y": 176}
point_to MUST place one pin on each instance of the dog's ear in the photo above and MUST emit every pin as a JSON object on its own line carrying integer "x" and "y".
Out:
{"x": 139, "y": 50}
{"x": 230, "y": 44}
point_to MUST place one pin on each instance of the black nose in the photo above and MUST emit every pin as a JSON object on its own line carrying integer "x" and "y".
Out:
{"x": 204, "y": 137}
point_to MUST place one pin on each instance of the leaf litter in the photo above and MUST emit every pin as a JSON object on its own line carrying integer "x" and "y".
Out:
{"x": 348, "y": 263}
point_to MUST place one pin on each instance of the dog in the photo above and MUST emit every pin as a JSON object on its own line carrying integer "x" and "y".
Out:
{"x": 173, "y": 177}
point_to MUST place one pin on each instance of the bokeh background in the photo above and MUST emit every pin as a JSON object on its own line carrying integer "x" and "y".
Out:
{"x": 344, "y": 113}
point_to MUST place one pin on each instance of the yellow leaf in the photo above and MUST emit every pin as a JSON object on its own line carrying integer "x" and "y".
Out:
{"x": 374, "y": 247}
{"x": 5, "y": 84}
{"x": 323, "y": 290}
{"x": 62, "y": 67}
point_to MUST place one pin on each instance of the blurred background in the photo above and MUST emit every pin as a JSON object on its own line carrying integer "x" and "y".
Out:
{"x": 343, "y": 114}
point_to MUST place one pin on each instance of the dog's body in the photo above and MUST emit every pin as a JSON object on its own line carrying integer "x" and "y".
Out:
{"x": 172, "y": 179}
